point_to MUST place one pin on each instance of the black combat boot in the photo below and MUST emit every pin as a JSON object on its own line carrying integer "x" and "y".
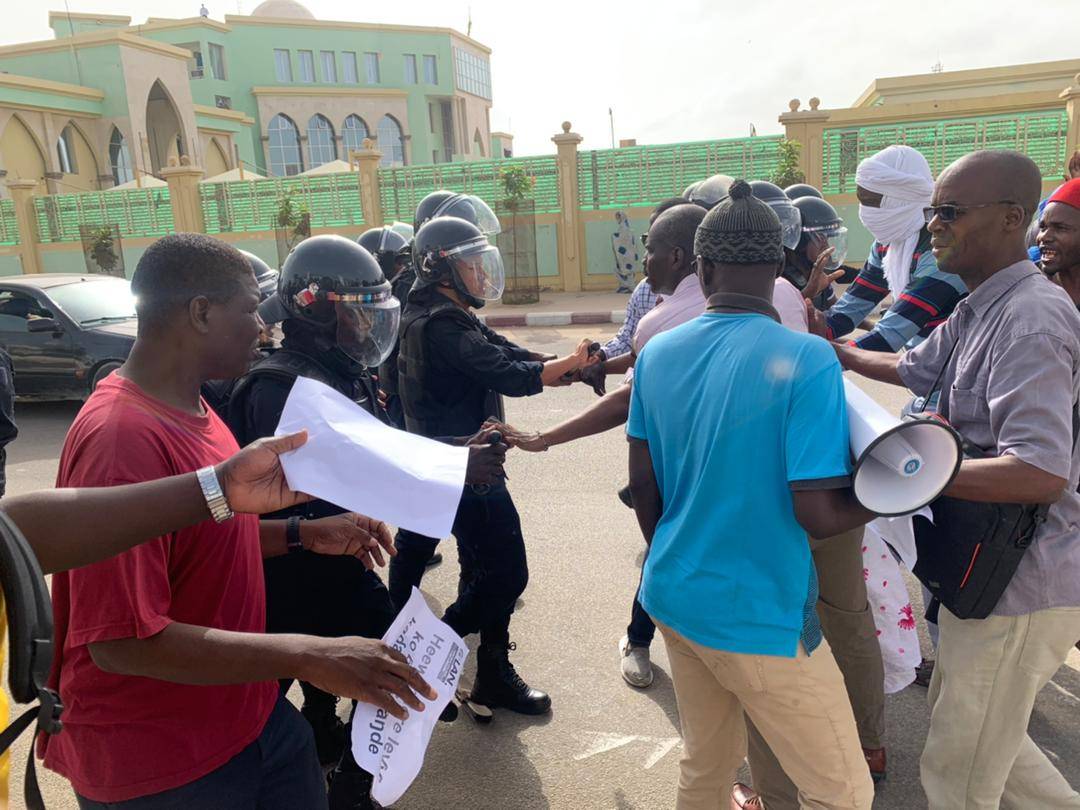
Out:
{"x": 350, "y": 790}
{"x": 320, "y": 710}
{"x": 499, "y": 686}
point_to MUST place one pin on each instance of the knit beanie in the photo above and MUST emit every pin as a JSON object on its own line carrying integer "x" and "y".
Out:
{"x": 740, "y": 230}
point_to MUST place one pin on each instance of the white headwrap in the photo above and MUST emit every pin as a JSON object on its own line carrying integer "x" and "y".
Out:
{"x": 902, "y": 176}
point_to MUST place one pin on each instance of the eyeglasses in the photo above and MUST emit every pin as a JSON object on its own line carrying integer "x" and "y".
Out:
{"x": 950, "y": 212}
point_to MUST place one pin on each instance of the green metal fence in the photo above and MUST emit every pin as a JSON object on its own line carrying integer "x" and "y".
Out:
{"x": 332, "y": 200}
{"x": 9, "y": 229}
{"x": 1041, "y": 135}
{"x": 402, "y": 189}
{"x": 647, "y": 175}
{"x": 136, "y": 212}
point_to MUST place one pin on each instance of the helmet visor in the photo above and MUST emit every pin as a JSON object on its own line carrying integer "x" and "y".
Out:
{"x": 835, "y": 238}
{"x": 479, "y": 268}
{"x": 403, "y": 228}
{"x": 712, "y": 190}
{"x": 366, "y": 332}
{"x": 790, "y": 222}
{"x": 472, "y": 209}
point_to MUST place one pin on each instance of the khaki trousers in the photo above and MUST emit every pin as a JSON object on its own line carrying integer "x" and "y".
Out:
{"x": 848, "y": 625}
{"x": 988, "y": 672}
{"x": 800, "y": 706}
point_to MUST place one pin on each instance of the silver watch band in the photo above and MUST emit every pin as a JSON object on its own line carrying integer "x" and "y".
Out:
{"x": 215, "y": 497}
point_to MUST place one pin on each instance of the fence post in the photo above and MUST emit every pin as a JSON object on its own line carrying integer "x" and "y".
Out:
{"x": 808, "y": 128}
{"x": 1071, "y": 97}
{"x": 367, "y": 164}
{"x": 184, "y": 195}
{"x": 22, "y": 195}
{"x": 571, "y": 229}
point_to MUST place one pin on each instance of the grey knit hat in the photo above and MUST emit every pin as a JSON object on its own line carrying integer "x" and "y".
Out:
{"x": 740, "y": 230}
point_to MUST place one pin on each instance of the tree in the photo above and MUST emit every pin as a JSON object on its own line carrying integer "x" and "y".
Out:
{"x": 787, "y": 165}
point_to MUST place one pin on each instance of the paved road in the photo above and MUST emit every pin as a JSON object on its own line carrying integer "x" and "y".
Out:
{"x": 605, "y": 745}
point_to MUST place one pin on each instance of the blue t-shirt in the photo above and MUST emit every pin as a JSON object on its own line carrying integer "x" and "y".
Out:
{"x": 738, "y": 411}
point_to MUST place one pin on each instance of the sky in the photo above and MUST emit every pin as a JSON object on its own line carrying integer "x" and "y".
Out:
{"x": 678, "y": 70}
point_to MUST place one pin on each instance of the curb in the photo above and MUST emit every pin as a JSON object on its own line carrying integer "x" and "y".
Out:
{"x": 553, "y": 318}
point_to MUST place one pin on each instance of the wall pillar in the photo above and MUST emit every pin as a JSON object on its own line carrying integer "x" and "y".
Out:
{"x": 187, "y": 208}
{"x": 22, "y": 194}
{"x": 367, "y": 163}
{"x": 1071, "y": 97}
{"x": 571, "y": 229}
{"x": 808, "y": 128}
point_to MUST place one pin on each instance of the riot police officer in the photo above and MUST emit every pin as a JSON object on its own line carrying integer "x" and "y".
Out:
{"x": 453, "y": 371}
{"x": 822, "y": 229}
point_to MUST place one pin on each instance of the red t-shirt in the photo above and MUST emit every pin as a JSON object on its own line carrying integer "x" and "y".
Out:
{"x": 123, "y": 736}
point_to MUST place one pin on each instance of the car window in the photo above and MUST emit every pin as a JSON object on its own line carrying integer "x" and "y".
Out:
{"x": 95, "y": 300}
{"x": 18, "y": 309}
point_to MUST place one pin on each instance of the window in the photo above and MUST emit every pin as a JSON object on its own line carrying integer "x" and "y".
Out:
{"x": 353, "y": 133}
{"x": 18, "y": 309}
{"x": 307, "y": 66}
{"x": 65, "y": 151}
{"x": 329, "y": 67}
{"x": 431, "y": 119}
{"x": 223, "y": 102}
{"x": 217, "y": 61}
{"x": 410, "y": 69}
{"x": 120, "y": 159}
{"x": 391, "y": 142}
{"x": 320, "y": 141}
{"x": 472, "y": 73}
{"x": 431, "y": 69}
{"x": 282, "y": 65}
{"x": 284, "y": 140}
{"x": 348, "y": 67}
{"x": 371, "y": 67}
{"x": 195, "y": 63}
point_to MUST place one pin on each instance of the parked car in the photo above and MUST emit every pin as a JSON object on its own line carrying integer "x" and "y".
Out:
{"x": 65, "y": 333}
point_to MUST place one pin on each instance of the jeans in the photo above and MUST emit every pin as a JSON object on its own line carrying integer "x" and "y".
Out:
{"x": 494, "y": 571}
{"x": 279, "y": 771}
{"x": 641, "y": 629}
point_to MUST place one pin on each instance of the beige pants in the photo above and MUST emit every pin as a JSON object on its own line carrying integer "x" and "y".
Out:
{"x": 800, "y": 706}
{"x": 978, "y": 752}
{"x": 848, "y": 626}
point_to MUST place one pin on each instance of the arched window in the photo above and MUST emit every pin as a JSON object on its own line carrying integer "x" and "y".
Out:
{"x": 320, "y": 137}
{"x": 353, "y": 133}
{"x": 391, "y": 142}
{"x": 120, "y": 159}
{"x": 65, "y": 151}
{"x": 285, "y": 157}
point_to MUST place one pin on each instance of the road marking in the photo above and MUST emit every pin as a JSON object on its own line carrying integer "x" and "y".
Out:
{"x": 662, "y": 750}
{"x": 604, "y": 742}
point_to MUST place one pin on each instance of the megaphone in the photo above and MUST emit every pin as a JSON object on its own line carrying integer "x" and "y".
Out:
{"x": 900, "y": 465}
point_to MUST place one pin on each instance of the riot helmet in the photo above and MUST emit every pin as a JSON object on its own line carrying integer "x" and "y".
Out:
{"x": 688, "y": 192}
{"x": 711, "y": 191}
{"x": 822, "y": 228}
{"x": 426, "y": 209}
{"x": 801, "y": 190}
{"x": 389, "y": 247}
{"x": 265, "y": 277}
{"x": 338, "y": 289}
{"x": 455, "y": 250}
{"x": 777, "y": 200}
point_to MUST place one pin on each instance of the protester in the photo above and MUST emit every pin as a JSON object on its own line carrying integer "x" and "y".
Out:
{"x": 1009, "y": 366}
{"x": 766, "y": 463}
{"x": 1059, "y": 238}
{"x": 161, "y": 661}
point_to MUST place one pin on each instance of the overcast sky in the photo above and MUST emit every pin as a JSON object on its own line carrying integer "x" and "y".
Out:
{"x": 676, "y": 70}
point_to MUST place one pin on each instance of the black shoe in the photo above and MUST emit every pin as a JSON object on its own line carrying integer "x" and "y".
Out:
{"x": 499, "y": 686}
{"x": 350, "y": 790}
{"x": 450, "y": 713}
{"x": 436, "y": 558}
{"x": 626, "y": 497}
{"x": 329, "y": 731}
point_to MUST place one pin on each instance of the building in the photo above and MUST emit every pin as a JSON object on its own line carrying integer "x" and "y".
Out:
{"x": 277, "y": 91}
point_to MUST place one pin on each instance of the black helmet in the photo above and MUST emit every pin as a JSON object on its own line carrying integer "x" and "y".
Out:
{"x": 822, "y": 227}
{"x": 426, "y": 209}
{"x": 790, "y": 223}
{"x": 332, "y": 284}
{"x": 711, "y": 191}
{"x": 688, "y": 192}
{"x": 266, "y": 277}
{"x": 801, "y": 190}
{"x": 389, "y": 247}
{"x": 455, "y": 250}
{"x": 468, "y": 207}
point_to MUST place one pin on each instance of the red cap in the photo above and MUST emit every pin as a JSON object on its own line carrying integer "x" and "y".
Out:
{"x": 1069, "y": 193}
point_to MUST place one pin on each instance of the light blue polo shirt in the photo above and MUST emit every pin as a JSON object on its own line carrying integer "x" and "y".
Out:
{"x": 737, "y": 410}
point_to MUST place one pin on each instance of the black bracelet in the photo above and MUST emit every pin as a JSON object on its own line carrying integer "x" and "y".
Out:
{"x": 292, "y": 535}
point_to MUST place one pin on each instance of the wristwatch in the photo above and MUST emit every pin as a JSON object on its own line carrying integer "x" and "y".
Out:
{"x": 292, "y": 535}
{"x": 215, "y": 497}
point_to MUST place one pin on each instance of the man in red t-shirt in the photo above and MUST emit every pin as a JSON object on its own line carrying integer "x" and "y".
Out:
{"x": 168, "y": 682}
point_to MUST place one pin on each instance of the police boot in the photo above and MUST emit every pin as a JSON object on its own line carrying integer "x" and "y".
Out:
{"x": 350, "y": 790}
{"x": 499, "y": 685}
{"x": 320, "y": 710}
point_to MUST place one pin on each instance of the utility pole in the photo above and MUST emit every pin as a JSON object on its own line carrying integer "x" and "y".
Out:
{"x": 611, "y": 120}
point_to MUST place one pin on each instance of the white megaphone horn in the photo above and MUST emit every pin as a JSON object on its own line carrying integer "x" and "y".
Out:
{"x": 900, "y": 465}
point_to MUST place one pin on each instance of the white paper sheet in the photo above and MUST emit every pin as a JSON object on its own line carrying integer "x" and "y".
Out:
{"x": 356, "y": 462}
{"x": 391, "y": 749}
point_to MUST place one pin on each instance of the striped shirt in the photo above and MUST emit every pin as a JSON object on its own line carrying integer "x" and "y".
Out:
{"x": 642, "y": 300}
{"x": 927, "y": 301}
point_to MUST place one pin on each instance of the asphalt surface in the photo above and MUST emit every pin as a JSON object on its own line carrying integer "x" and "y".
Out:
{"x": 605, "y": 745}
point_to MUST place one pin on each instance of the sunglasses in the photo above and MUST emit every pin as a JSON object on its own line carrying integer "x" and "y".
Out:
{"x": 950, "y": 212}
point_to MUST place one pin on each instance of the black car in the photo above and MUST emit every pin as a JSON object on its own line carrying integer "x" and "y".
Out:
{"x": 65, "y": 333}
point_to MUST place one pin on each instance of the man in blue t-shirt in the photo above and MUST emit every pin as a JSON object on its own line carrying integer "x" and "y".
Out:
{"x": 739, "y": 449}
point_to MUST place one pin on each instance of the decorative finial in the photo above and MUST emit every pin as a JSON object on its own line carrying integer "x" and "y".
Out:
{"x": 185, "y": 160}
{"x": 793, "y": 105}
{"x": 815, "y": 102}
{"x": 172, "y": 162}
{"x": 566, "y": 127}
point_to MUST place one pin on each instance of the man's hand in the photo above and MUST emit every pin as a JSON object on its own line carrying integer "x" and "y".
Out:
{"x": 815, "y": 320}
{"x": 367, "y": 670}
{"x": 253, "y": 481}
{"x": 486, "y": 463}
{"x": 819, "y": 279}
{"x": 349, "y": 535}
{"x": 542, "y": 357}
{"x": 531, "y": 442}
{"x": 595, "y": 376}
